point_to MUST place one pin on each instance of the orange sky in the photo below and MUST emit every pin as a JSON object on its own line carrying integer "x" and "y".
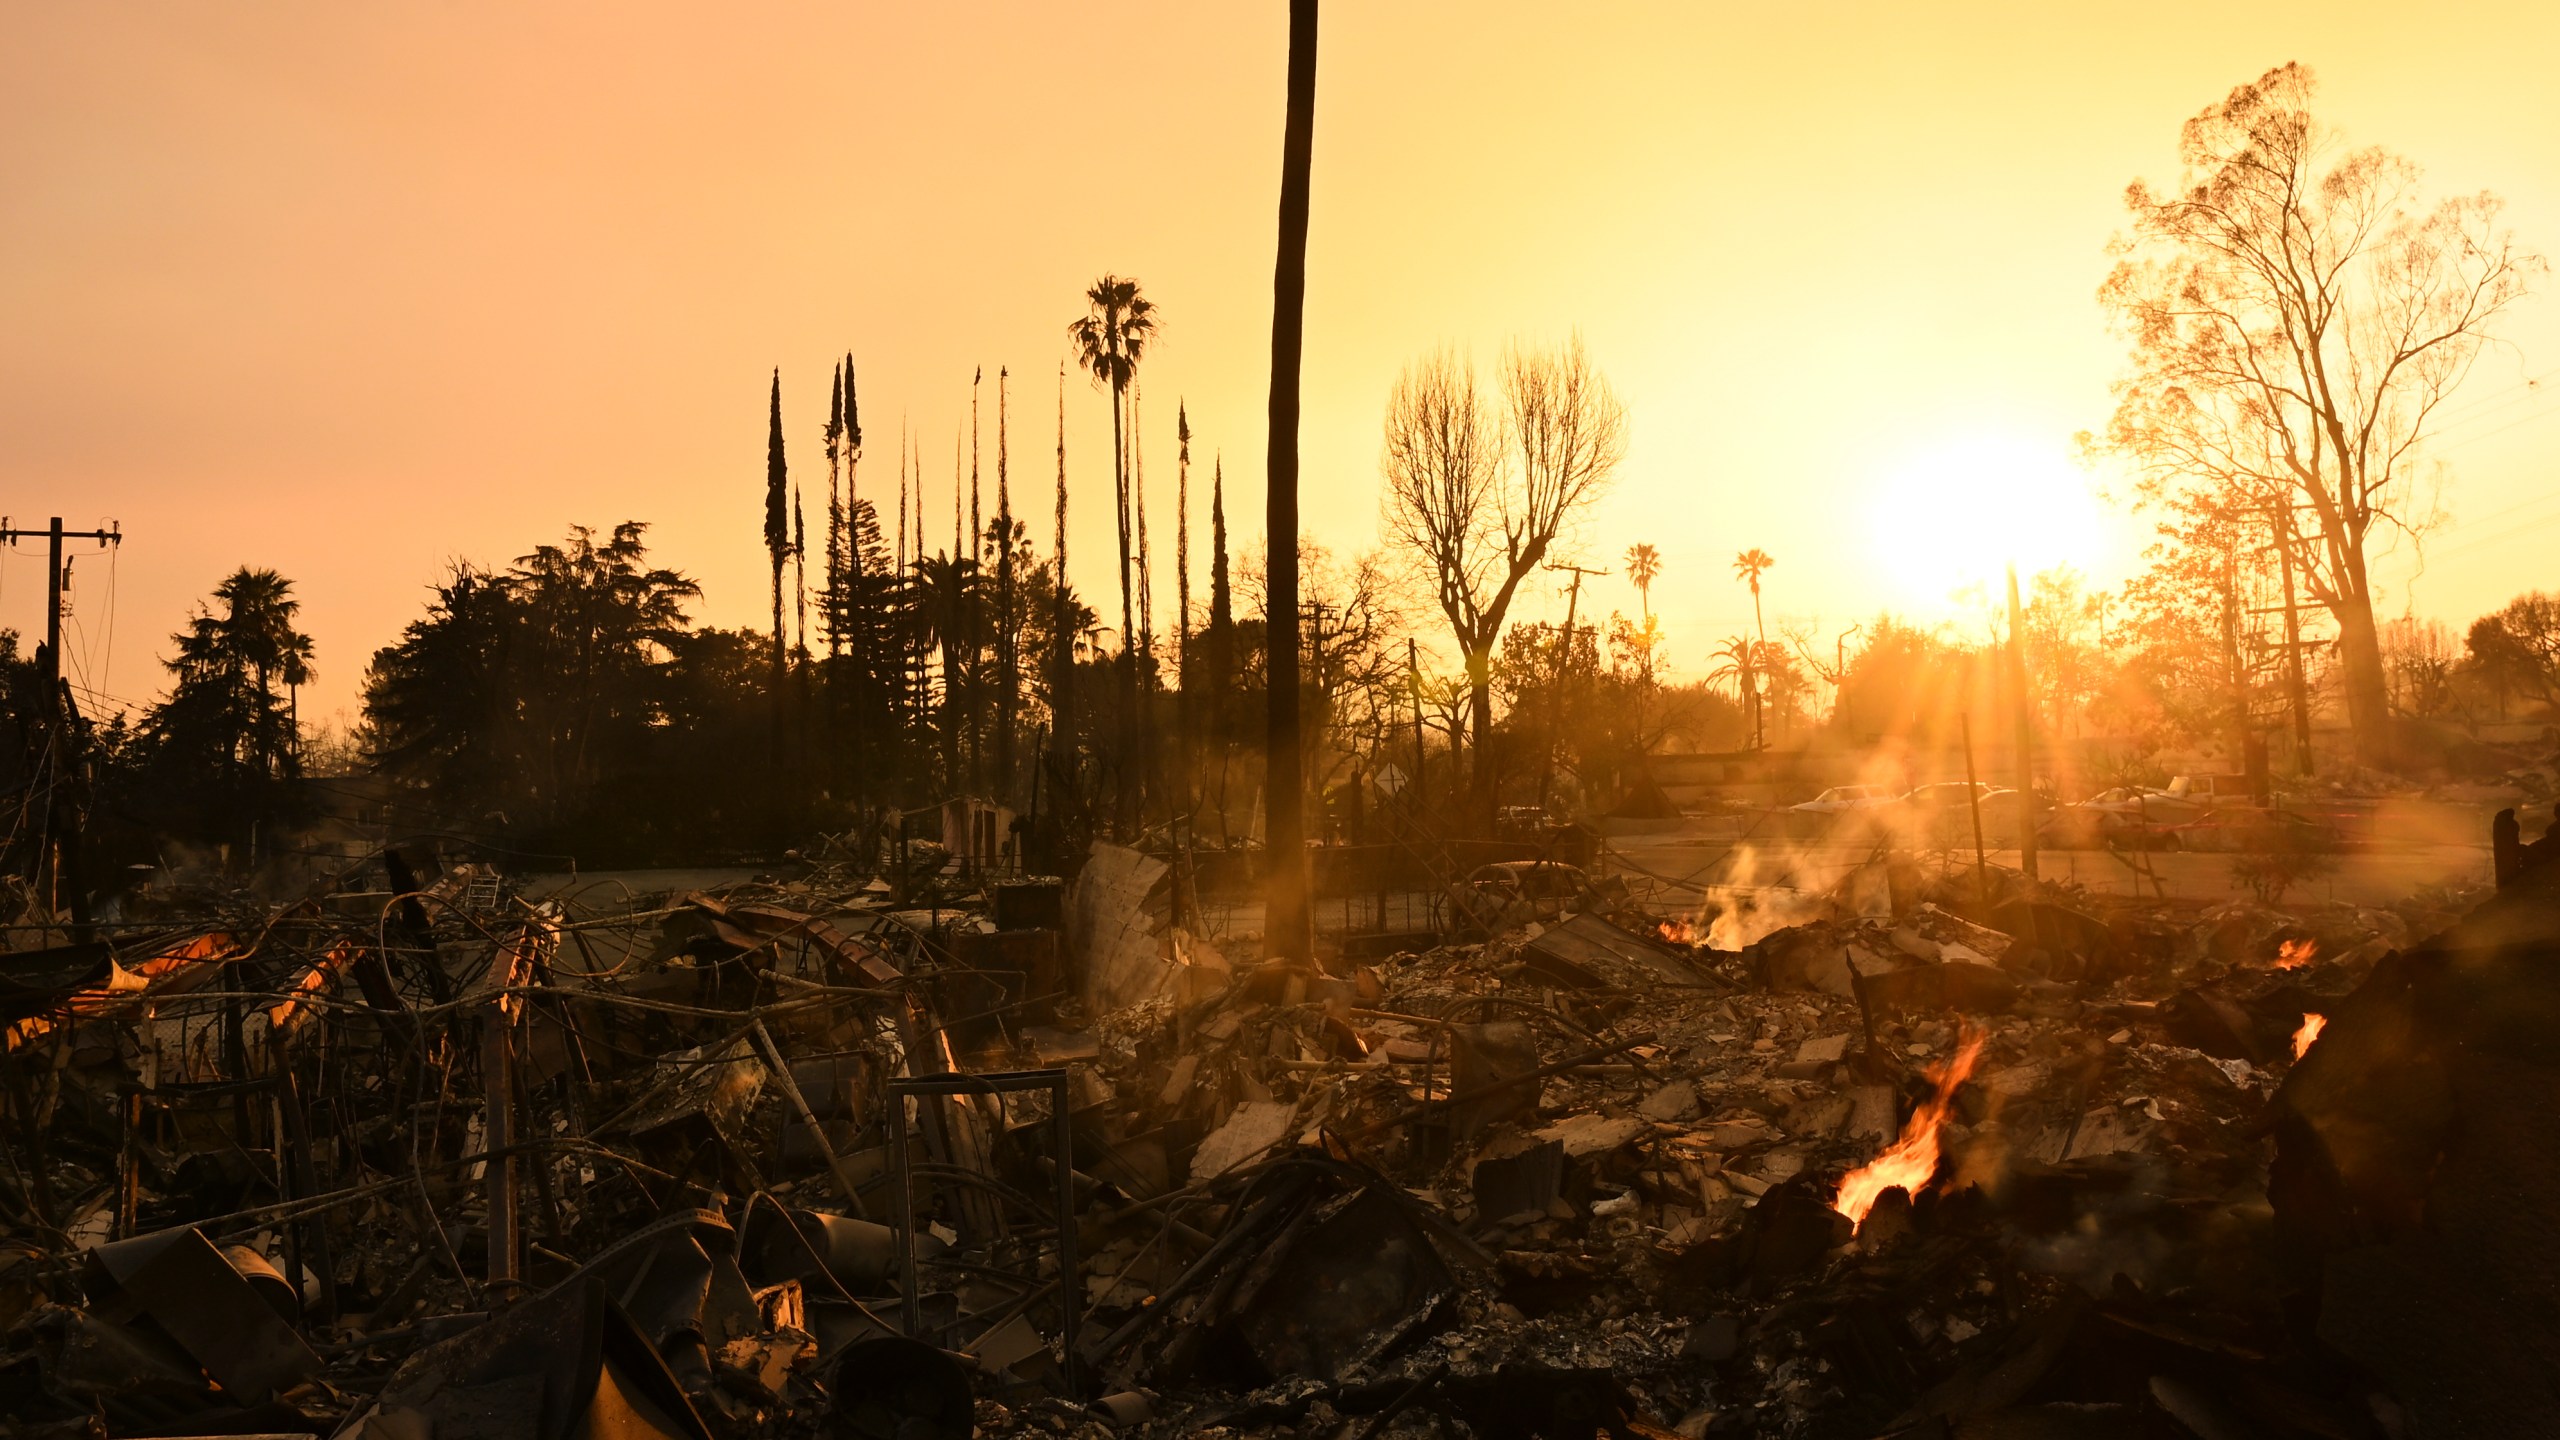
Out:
{"x": 348, "y": 290}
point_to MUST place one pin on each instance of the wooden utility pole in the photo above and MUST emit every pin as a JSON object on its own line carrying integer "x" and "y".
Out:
{"x": 1973, "y": 801}
{"x": 1555, "y": 700}
{"x": 2022, "y": 711}
{"x": 1286, "y": 932}
{"x": 58, "y": 854}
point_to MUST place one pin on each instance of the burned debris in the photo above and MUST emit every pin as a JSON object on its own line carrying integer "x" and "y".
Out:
{"x": 915, "y": 1151}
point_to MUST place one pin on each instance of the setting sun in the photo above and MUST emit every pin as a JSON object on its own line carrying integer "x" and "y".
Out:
{"x": 1956, "y": 515}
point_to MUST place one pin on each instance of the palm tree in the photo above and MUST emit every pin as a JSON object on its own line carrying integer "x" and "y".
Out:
{"x": 1740, "y": 669}
{"x": 1110, "y": 340}
{"x": 1644, "y": 565}
{"x": 1749, "y": 566}
{"x": 1286, "y": 928}
{"x": 258, "y": 632}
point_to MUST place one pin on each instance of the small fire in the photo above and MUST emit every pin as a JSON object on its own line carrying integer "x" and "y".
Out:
{"x": 2312, "y": 1025}
{"x": 1913, "y": 1160}
{"x": 2293, "y": 954}
{"x": 1678, "y": 932}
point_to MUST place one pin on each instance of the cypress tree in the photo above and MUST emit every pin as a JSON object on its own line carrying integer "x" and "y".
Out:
{"x": 1182, "y": 602}
{"x": 1008, "y": 643}
{"x": 777, "y": 543}
{"x": 831, "y": 571}
{"x": 1062, "y": 627}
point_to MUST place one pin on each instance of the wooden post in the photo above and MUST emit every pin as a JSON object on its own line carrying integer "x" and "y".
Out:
{"x": 1973, "y": 799}
{"x": 497, "y": 1081}
{"x": 2022, "y": 712}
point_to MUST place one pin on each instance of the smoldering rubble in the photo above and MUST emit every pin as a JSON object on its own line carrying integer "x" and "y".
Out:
{"x": 883, "y": 1147}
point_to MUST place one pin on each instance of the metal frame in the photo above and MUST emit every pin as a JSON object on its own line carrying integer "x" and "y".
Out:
{"x": 1070, "y": 1294}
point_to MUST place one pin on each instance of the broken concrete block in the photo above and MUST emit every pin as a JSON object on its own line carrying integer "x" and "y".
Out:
{"x": 1249, "y": 1133}
{"x": 1675, "y": 1101}
{"x": 1591, "y": 1134}
{"x": 1824, "y": 1049}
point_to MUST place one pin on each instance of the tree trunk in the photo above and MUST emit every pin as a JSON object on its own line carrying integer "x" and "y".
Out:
{"x": 1287, "y": 933}
{"x": 777, "y": 662}
{"x": 2368, "y": 692}
{"x": 1128, "y": 629}
{"x": 1480, "y": 723}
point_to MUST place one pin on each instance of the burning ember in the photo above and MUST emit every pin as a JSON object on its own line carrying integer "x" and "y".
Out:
{"x": 1678, "y": 932}
{"x": 2294, "y": 954}
{"x": 1913, "y": 1160}
{"x": 2312, "y": 1025}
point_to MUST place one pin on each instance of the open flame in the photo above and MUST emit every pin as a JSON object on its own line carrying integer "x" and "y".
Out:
{"x": 2293, "y": 954}
{"x": 2312, "y": 1025}
{"x": 1912, "y": 1160}
{"x": 1678, "y": 932}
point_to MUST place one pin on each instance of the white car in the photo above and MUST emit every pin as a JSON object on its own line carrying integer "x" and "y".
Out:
{"x": 1842, "y": 799}
{"x": 2146, "y": 803}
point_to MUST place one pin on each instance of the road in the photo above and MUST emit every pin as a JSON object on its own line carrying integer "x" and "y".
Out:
{"x": 2368, "y": 876}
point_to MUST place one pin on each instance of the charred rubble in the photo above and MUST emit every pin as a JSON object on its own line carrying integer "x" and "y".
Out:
{"x": 907, "y": 1151}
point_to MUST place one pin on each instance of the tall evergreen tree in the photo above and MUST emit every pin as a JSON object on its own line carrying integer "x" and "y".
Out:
{"x": 831, "y": 570}
{"x": 1218, "y": 651}
{"x": 1062, "y": 629}
{"x": 777, "y": 543}
{"x": 1182, "y": 676}
{"x": 1008, "y": 634}
{"x": 799, "y": 572}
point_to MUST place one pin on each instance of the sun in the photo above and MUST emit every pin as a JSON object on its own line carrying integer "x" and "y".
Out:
{"x": 1955, "y": 516}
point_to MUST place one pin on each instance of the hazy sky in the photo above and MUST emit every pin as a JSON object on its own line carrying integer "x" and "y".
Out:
{"x": 352, "y": 290}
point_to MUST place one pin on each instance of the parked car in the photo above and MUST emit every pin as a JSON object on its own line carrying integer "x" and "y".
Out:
{"x": 1532, "y": 880}
{"x": 2213, "y": 789}
{"x": 1953, "y": 797}
{"x": 1515, "y": 890}
{"x": 2147, "y": 803}
{"x": 1843, "y": 799}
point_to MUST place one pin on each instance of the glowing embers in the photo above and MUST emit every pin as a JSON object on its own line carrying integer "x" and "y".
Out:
{"x": 1912, "y": 1161}
{"x": 2312, "y": 1025}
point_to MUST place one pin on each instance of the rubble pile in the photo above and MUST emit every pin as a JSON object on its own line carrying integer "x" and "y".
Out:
{"x": 909, "y": 1152}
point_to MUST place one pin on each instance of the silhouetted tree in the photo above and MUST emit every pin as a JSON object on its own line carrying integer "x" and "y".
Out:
{"x": 2297, "y": 323}
{"x": 224, "y": 742}
{"x": 777, "y": 544}
{"x": 1748, "y": 567}
{"x": 1111, "y": 338}
{"x": 1479, "y": 521}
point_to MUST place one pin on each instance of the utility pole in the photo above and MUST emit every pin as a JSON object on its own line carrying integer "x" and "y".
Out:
{"x": 1555, "y": 701}
{"x": 2025, "y": 733}
{"x": 59, "y": 851}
